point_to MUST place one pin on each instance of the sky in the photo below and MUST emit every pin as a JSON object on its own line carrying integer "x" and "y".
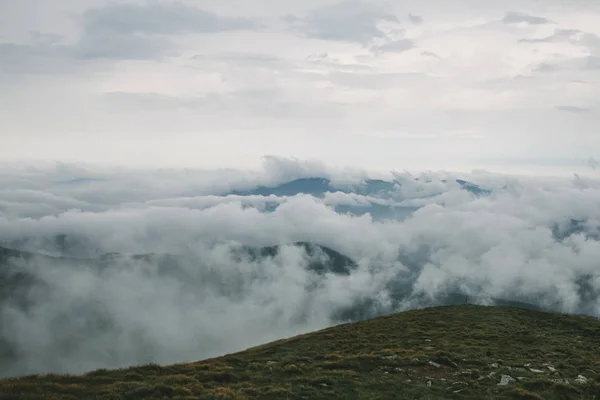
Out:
{"x": 503, "y": 85}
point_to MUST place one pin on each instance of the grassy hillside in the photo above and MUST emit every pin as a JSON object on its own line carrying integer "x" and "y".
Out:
{"x": 460, "y": 352}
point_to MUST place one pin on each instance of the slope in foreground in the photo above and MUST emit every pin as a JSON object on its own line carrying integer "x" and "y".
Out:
{"x": 466, "y": 352}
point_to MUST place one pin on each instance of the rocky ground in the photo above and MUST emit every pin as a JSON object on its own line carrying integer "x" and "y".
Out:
{"x": 461, "y": 352}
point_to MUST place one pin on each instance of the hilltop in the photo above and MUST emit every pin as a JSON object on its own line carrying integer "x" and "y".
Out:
{"x": 461, "y": 352}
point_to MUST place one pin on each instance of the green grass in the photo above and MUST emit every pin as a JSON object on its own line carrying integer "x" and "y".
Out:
{"x": 454, "y": 352}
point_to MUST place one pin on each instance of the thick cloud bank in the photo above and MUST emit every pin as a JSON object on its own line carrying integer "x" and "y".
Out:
{"x": 168, "y": 266}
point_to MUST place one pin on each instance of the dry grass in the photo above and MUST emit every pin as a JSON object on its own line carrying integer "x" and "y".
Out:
{"x": 456, "y": 352}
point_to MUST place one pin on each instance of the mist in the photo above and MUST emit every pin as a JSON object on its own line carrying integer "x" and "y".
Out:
{"x": 133, "y": 266}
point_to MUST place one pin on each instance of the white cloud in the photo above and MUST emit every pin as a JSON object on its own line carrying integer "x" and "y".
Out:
{"x": 516, "y": 243}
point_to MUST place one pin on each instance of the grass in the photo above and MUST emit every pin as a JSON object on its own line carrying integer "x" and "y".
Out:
{"x": 453, "y": 352}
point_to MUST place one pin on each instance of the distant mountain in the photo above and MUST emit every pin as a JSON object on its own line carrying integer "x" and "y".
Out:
{"x": 319, "y": 186}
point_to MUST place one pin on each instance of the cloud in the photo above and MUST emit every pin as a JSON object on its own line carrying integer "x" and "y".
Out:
{"x": 396, "y": 46}
{"x": 546, "y": 67}
{"x": 557, "y": 36}
{"x": 415, "y": 19}
{"x": 121, "y": 32}
{"x": 158, "y": 19}
{"x": 573, "y": 109}
{"x": 530, "y": 239}
{"x": 348, "y": 21}
{"x": 514, "y": 17}
{"x": 592, "y": 63}
{"x": 132, "y": 31}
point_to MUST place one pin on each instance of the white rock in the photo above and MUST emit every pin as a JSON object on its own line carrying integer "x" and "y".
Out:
{"x": 582, "y": 380}
{"x": 551, "y": 368}
{"x": 428, "y": 383}
{"x": 434, "y": 364}
{"x": 537, "y": 371}
{"x": 506, "y": 380}
{"x": 494, "y": 365}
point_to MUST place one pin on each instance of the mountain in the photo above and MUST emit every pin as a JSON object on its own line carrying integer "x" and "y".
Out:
{"x": 455, "y": 352}
{"x": 319, "y": 186}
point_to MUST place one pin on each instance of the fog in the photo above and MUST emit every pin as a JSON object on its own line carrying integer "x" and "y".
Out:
{"x": 414, "y": 240}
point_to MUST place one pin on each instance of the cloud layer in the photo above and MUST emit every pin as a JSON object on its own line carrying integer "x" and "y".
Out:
{"x": 527, "y": 239}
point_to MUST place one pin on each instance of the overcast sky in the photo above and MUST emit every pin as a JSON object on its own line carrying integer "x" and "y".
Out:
{"x": 409, "y": 84}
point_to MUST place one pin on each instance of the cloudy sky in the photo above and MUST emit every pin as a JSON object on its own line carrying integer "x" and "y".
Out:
{"x": 418, "y": 84}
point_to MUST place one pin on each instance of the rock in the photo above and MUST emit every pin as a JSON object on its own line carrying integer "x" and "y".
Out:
{"x": 581, "y": 380}
{"x": 494, "y": 365}
{"x": 551, "y": 368}
{"x": 428, "y": 383}
{"x": 527, "y": 365}
{"x": 521, "y": 378}
{"x": 398, "y": 369}
{"x": 505, "y": 380}
{"x": 428, "y": 340}
{"x": 271, "y": 362}
{"x": 392, "y": 357}
{"x": 537, "y": 371}
{"x": 434, "y": 364}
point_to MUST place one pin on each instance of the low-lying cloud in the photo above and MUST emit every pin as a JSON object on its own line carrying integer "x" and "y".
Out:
{"x": 415, "y": 239}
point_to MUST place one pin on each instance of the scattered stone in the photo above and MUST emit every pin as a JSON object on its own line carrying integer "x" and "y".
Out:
{"x": 551, "y": 368}
{"x": 521, "y": 378}
{"x": 434, "y": 364}
{"x": 324, "y": 385}
{"x": 398, "y": 369}
{"x": 527, "y": 365}
{"x": 428, "y": 383}
{"x": 428, "y": 348}
{"x": 561, "y": 381}
{"x": 519, "y": 369}
{"x": 491, "y": 374}
{"x": 392, "y": 357}
{"x": 271, "y": 362}
{"x": 458, "y": 391}
{"x": 581, "y": 380}
{"x": 505, "y": 380}
{"x": 536, "y": 371}
{"x": 494, "y": 365}
{"x": 428, "y": 340}
{"x": 471, "y": 372}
